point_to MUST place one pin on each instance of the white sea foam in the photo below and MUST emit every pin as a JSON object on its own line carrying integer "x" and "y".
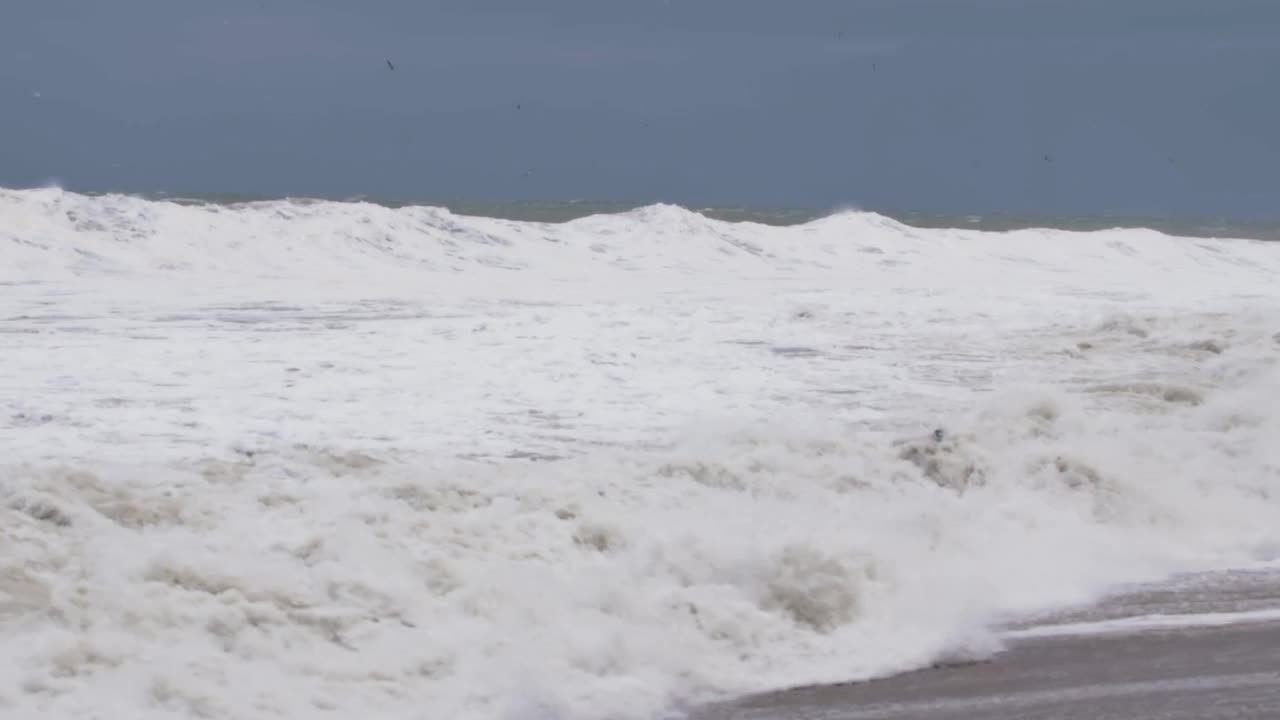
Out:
{"x": 1147, "y": 623}
{"x": 289, "y": 460}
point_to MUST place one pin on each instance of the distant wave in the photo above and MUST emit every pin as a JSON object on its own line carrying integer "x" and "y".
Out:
{"x": 51, "y": 233}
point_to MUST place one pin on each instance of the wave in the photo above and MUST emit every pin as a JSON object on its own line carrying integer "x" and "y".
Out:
{"x": 620, "y": 585}
{"x": 227, "y": 494}
{"x": 55, "y": 234}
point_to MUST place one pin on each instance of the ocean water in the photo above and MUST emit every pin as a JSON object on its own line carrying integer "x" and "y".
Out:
{"x": 299, "y": 459}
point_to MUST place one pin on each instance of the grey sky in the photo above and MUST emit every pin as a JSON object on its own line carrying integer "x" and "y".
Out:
{"x": 1075, "y": 106}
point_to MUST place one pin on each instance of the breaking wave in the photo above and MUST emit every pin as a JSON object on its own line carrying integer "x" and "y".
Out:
{"x": 51, "y": 233}
{"x": 295, "y": 580}
{"x": 289, "y": 459}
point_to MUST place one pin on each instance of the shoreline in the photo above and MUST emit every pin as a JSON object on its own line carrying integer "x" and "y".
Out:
{"x": 1173, "y": 673}
{"x": 1199, "y": 646}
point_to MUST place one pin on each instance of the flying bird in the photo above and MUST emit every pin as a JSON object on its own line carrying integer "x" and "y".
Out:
{"x": 389, "y": 65}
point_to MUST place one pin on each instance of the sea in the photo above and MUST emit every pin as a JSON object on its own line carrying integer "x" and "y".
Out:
{"x": 307, "y": 458}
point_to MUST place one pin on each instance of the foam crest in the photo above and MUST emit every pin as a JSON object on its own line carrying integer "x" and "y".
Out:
{"x": 51, "y": 233}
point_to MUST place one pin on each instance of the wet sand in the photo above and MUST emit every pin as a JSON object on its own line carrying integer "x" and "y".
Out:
{"x": 1227, "y": 672}
{"x": 1191, "y": 674}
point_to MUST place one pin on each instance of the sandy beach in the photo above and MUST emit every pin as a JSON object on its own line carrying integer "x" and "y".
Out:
{"x": 1175, "y": 673}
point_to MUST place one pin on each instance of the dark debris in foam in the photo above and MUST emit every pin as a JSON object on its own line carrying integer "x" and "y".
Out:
{"x": 22, "y": 419}
{"x": 941, "y": 458}
{"x": 795, "y": 351}
{"x": 533, "y": 456}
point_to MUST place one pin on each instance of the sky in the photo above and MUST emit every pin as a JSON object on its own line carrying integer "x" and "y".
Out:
{"x": 1095, "y": 107}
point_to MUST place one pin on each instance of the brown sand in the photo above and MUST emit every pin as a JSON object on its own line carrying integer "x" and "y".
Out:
{"x": 1223, "y": 673}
